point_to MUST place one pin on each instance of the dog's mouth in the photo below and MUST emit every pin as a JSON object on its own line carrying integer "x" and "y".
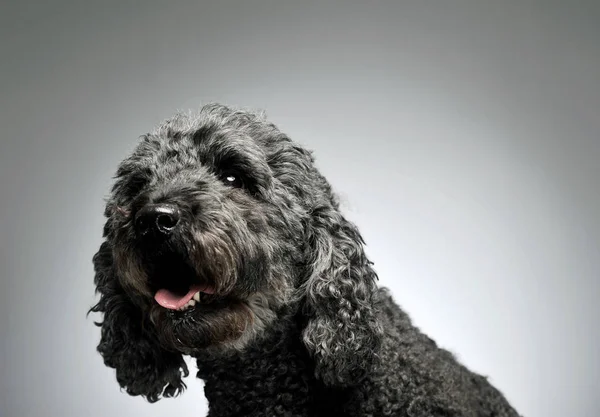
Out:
{"x": 176, "y": 284}
{"x": 174, "y": 301}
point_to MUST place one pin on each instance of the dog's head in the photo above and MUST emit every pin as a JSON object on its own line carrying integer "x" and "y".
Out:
{"x": 215, "y": 222}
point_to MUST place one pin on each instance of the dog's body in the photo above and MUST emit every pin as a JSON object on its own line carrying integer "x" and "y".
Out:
{"x": 224, "y": 242}
{"x": 412, "y": 377}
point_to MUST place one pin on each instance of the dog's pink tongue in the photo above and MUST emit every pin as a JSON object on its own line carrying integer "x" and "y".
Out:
{"x": 172, "y": 301}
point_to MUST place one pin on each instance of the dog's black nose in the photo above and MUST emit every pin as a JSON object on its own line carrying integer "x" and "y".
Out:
{"x": 156, "y": 219}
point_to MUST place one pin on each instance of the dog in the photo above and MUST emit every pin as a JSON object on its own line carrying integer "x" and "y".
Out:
{"x": 223, "y": 242}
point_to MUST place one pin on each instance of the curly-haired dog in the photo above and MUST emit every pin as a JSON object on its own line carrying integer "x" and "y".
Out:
{"x": 225, "y": 243}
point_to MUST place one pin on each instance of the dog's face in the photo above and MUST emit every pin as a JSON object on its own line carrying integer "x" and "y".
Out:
{"x": 217, "y": 222}
{"x": 206, "y": 239}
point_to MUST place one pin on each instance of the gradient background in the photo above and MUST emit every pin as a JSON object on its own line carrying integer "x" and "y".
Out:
{"x": 463, "y": 136}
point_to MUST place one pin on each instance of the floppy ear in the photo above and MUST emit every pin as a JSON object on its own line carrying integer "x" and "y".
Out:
{"x": 143, "y": 366}
{"x": 343, "y": 332}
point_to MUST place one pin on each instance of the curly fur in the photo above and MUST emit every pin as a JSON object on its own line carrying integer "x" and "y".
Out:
{"x": 299, "y": 326}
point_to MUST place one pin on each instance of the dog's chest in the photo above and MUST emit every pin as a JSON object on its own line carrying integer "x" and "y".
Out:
{"x": 274, "y": 379}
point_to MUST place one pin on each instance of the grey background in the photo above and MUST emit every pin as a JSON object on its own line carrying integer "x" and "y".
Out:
{"x": 462, "y": 135}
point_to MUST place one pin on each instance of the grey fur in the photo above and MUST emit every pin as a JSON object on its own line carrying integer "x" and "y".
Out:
{"x": 302, "y": 327}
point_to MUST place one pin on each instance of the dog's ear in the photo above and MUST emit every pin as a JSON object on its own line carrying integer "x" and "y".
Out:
{"x": 343, "y": 332}
{"x": 142, "y": 366}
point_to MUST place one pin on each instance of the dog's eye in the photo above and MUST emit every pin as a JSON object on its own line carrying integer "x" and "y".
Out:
{"x": 232, "y": 179}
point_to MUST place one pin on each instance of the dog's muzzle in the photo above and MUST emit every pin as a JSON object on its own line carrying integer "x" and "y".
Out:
{"x": 172, "y": 278}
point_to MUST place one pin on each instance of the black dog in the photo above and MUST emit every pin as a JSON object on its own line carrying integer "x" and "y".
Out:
{"x": 224, "y": 242}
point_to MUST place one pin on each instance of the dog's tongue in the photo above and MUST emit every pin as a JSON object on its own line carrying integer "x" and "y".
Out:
{"x": 173, "y": 301}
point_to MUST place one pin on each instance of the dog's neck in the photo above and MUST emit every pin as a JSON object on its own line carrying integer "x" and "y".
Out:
{"x": 272, "y": 373}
